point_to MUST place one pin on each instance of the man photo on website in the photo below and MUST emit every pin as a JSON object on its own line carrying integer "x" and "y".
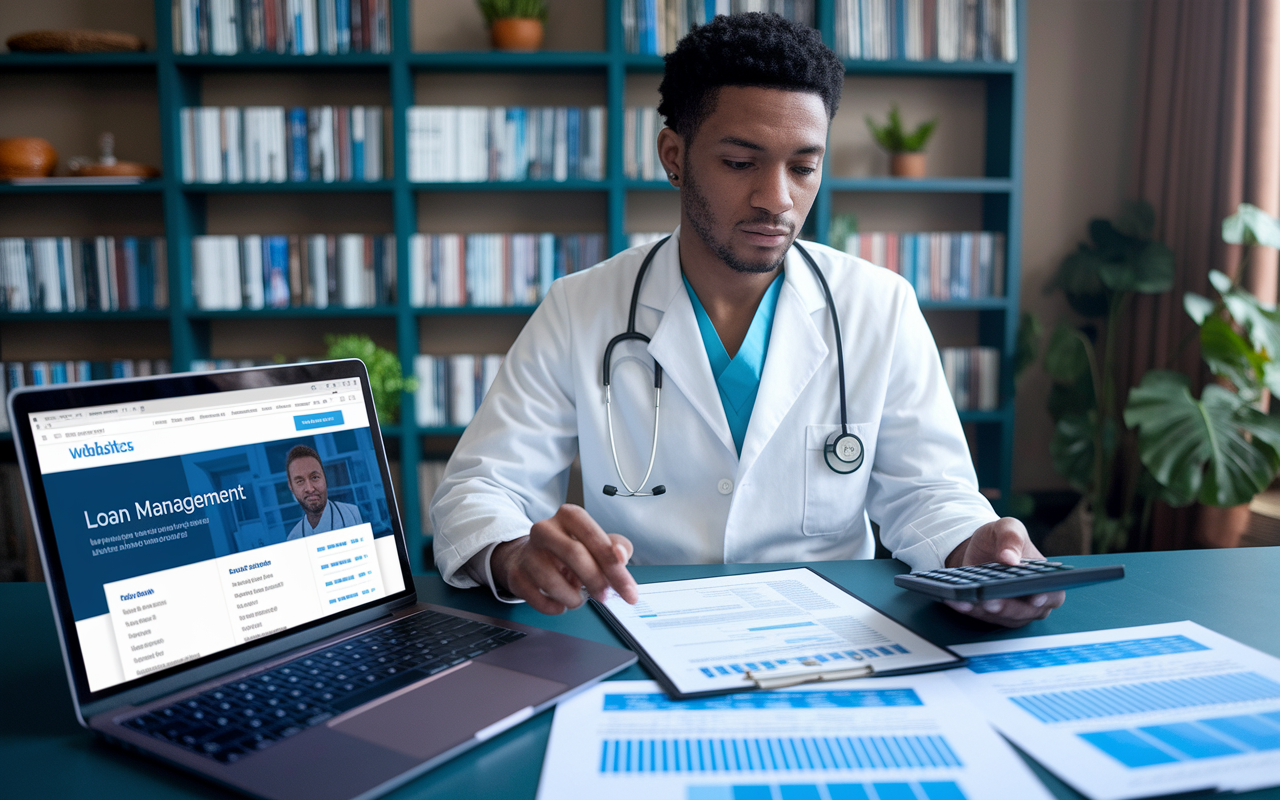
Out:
{"x": 309, "y": 485}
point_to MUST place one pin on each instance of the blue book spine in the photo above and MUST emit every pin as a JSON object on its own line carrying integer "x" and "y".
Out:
{"x": 299, "y": 162}
{"x": 957, "y": 268}
{"x": 906, "y": 256}
{"x": 574, "y": 117}
{"x": 58, "y": 372}
{"x": 924, "y": 265}
{"x": 343, "y": 19}
{"x": 519, "y": 116}
{"x": 278, "y": 273}
{"x": 322, "y": 26}
{"x": 651, "y": 26}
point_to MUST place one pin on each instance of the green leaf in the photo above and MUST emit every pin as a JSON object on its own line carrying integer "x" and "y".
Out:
{"x": 1260, "y": 323}
{"x": 1109, "y": 534}
{"x": 1154, "y": 271}
{"x": 1028, "y": 345}
{"x": 1220, "y": 281}
{"x": 1080, "y": 279}
{"x": 1137, "y": 219}
{"x": 1251, "y": 225}
{"x": 1072, "y": 450}
{"x": 1066, "y": 359}
{"x": 1230, "y": 356}
{"x": 1217, "y": 449}
{"x": 1109, "y": 242}
{"x": 386, "y": 380}
{"x": 1198, "y": 306}
{"x": 1077, "y": 398}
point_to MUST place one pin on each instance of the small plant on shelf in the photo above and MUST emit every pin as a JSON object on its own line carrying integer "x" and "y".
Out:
{"x": 906, "y": 150}
{"x": 386, "y": 380}
{"x": 515, "y": 24}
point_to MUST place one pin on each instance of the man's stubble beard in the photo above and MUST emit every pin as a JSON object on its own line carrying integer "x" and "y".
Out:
{"x": 702, "y": 220}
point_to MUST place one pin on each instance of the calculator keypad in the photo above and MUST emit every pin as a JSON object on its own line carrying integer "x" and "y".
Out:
{"x": 992, "y": 572}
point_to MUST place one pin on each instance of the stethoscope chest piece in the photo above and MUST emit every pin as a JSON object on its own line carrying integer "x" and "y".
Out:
{"x": 843, "y": 452}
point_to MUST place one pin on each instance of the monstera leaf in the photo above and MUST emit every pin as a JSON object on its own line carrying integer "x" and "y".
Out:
{"x": 1218, "y": 449}
{"x": 1251, "y": 225}
{"x": 1229, "y": 355}
{"x": 1073, "y": 446}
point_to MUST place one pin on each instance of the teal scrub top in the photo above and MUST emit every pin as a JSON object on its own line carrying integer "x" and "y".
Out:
{"x": 738, "y": 379}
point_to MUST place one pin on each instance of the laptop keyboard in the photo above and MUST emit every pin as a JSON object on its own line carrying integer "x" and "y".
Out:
{"x": 242, "y": 717}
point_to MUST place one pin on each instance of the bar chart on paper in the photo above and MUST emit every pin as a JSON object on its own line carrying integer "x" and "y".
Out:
{"x": 905, "y": 739}
{"x": 1117, "y": 715}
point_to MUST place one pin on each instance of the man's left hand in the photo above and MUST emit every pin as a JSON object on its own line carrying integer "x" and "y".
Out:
{"x": 1006, "y": 541}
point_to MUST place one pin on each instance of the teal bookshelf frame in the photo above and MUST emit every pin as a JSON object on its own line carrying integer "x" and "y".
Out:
{"x": 179, "y": 82}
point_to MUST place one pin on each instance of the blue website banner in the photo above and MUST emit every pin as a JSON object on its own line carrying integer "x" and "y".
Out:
{"x": 116, "y": 522}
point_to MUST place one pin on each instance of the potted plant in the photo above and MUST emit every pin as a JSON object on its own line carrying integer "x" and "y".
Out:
{"x": 906, "y": 150}
{"x": 515, "y": 24}
{"x": 386, "y": 380}
{"x": 1099, "y": 281}
{"x": 1220, "y": 449}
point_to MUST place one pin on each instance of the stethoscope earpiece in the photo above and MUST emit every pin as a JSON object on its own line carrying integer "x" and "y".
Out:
{"x": 843, "y": 452}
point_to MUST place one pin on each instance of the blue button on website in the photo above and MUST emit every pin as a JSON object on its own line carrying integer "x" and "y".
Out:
{"x": 306, "y": 422}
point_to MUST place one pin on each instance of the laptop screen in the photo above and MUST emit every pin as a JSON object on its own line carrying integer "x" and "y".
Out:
{"x": 186, "y": 526}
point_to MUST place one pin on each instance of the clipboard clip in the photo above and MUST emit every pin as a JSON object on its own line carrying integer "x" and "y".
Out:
{"x": 815, "y": 672}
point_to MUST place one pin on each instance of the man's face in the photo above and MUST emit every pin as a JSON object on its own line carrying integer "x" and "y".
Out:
{"x": 306, "y": 479}
{"x": 751, "y": 173}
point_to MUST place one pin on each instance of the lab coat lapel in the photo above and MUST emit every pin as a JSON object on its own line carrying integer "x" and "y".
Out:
{"x": 796, "y": 351}
{"x": 676, "y": 344}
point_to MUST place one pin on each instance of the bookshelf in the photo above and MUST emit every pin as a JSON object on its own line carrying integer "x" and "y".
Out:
{"x": 180, "y": 80}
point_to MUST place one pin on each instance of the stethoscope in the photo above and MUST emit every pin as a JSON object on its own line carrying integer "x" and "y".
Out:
{"x": 842, "y": 451}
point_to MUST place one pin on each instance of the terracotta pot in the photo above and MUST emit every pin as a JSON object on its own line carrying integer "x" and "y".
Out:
{"x": 1221, "y": 527}
{"x": 27, "y": 157}
{"x": 907, "y": 165}
{"x": 516, "y": 33}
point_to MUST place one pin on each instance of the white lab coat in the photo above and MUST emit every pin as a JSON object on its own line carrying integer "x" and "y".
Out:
{"x": 779, "y": 501}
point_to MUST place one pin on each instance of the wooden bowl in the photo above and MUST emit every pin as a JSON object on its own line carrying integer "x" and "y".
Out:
{"x": 516, "y": 33}
{"x": 27, "y": 157}
{"x": 75, "y": 41}
{"x": 118, "y": 169}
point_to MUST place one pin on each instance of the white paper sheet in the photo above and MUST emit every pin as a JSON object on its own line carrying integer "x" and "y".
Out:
{"x": 1134, "y": 712}
{"x": 705, "y": 633}
{"x": 904, "y": 738}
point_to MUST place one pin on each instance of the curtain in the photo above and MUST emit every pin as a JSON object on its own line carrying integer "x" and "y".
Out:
{"x": 1208, "y": 138}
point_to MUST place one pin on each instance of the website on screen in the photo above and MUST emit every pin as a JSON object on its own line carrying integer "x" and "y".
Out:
{"x": 186, "y": 526}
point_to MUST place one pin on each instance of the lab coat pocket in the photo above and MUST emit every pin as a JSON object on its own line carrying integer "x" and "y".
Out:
{"x": 833, "y": 503}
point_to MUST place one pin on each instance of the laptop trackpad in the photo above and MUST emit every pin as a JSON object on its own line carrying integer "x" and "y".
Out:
{"x": 446, "y": 712}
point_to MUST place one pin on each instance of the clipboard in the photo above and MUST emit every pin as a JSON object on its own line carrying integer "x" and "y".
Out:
{"x": 843, "y": 662}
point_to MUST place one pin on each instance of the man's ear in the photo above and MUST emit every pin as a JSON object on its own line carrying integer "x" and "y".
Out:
{"x": 671, "y": 154}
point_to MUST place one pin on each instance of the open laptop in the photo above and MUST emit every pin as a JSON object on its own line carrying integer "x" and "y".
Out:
{"x": 231, "y": 586}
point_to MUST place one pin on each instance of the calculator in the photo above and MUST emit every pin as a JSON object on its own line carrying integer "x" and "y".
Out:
{"x": 995, "y": 580}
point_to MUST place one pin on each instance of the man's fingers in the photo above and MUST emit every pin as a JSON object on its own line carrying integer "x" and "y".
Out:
{"x": 524, "y": 588}
{"x": 601, "y": 546}
{"x": 543, "y": 571}
{"x": 1011, "y": 612}
{"x": 1009, "y": 543}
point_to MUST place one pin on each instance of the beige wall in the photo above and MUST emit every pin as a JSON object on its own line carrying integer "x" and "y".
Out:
{"x": 1082, "y": 70}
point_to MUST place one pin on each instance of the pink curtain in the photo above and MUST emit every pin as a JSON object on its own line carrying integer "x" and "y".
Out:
{"x": 1208, "y": 138}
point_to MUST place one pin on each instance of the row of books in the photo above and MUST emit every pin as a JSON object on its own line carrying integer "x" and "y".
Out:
{"x": 640, "y": 126}
{"x": 941, "y": 266}
{"x": 449, "y": 144}
{"x": 317, "y": 271}
{"x": 923, "y": 30}
{"x": 298, "y": 27}
{"x": 271, "y": 144}
{"x": 653, "y": 27}
{"x": 973, "y": 376}
{"x": 16, "y": 374}
{"x": 71, "y": 273}
{"x": 495, "y": 269}
{"x": 450, "y": 388}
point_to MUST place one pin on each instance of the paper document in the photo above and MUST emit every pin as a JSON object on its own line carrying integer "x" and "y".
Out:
{"x": 906, "y": 738}
{"x": 706, "y": 634}
{"x": 1134, "y": 712}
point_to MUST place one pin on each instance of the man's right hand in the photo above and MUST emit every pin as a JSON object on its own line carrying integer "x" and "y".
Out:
{"x": 549, "y": 567}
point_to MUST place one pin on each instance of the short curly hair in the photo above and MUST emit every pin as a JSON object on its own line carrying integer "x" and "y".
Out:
{"x": 753, "y": 49}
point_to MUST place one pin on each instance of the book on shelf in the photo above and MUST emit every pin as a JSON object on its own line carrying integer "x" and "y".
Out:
{"x": 430, "y": 476}
{"x": 296, "y": 27}
{"x": 640, "y": 126}
{"x": 927, "y": 30}
{"x": 468, "y": 144}
{"x": 211, "y": 364}
{"x": 941, "y": 266}
{"x": 16, "y": 374}
{"x": 73, "y": 273}
{"x": 274, "y": 144}
{"x": 313, "y": 271}
{"x": 653, "y": 27}
{"x": 495, "y": 269}
{"x": 451, "y": 388}
{"x": 973, "y": 376}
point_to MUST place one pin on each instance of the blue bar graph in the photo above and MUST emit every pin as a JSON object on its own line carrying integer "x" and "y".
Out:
{"x": 851, "y": 698}
{"x": 775, "y": 754}
{"x": 1083, "y": 654}
{"x": 1134, "y": 698}
{"x": 1187, "y": 741}
{"x": 931, "y": 790}
{"x": 714, "y": 670}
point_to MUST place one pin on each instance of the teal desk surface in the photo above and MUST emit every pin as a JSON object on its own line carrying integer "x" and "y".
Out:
{"x": 44, "y": 753}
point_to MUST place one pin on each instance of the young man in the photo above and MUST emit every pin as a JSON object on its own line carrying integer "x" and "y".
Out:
{"x": 747, "y": 457}
{"x": 310, "y": 488}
